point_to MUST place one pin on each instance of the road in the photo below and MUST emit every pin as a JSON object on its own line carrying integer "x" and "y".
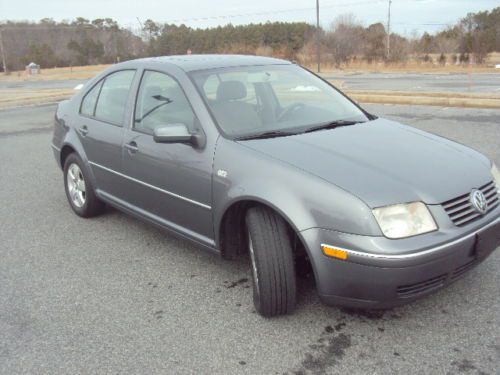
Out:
{"x": 486, "y": 83}
{"x": 48, "y": 84}
{"x": 115, "y": 295}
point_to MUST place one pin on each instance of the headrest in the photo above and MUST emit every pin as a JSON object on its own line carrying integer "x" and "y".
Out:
{"x": 152, "y": 91}
{"x": 231, "y": 90}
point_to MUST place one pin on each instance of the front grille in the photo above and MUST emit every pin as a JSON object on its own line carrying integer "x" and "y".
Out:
{"x": 421, "y": 287}
{"x": 461, "y": 211}
{"x": 434, "y": 283}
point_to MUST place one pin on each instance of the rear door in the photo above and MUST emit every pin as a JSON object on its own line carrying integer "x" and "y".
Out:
{"x": 168, "y": 183}
{"x": 100, "y": 128}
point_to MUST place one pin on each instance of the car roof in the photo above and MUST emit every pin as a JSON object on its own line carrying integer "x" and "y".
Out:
{"x": 190, "y": 63}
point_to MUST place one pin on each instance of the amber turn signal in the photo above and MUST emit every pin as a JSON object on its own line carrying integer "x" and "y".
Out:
{"x": 334, "y": 252}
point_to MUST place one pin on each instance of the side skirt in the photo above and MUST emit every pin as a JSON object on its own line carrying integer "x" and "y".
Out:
{"x": 172, "y": 228}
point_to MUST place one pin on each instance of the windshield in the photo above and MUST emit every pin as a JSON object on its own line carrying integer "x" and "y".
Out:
{"x": 272, "y": 99}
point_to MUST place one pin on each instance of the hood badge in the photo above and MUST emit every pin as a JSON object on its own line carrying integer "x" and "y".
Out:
{"x": 478, "y": 201}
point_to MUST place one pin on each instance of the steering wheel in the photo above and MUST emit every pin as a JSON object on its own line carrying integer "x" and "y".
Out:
{"x": 289, "y": 110}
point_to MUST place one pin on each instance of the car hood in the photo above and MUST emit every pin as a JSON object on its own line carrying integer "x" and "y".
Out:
{"x": 382, "y": 162}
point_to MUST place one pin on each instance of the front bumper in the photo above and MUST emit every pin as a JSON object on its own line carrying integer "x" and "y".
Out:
{"x": 379, "y": 275}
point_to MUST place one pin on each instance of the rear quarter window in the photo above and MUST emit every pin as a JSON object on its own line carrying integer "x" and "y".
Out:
{"x": 90, "y": 99}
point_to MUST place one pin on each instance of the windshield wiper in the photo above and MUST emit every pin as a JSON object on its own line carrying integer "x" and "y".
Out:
{"x": 268, "y": 134}
{"x": 332, "y": 125}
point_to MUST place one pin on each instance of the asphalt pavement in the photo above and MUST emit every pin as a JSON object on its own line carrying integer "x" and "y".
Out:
{"x": 115, "y": 295}
{"x": 46, "y": 84}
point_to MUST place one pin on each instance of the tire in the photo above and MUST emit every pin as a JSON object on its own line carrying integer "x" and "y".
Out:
{"x": 79, "y": 190}
{"x": 273, "y": 269}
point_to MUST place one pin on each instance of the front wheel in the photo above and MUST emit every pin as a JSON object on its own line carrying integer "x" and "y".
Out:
{"x": 271, "y": 255}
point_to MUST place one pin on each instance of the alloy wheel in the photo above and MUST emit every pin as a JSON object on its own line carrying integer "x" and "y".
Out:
{"x": 76, "y": 185}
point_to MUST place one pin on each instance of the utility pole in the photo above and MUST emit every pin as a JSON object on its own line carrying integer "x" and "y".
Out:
{"x": 143, "y": 32}
{"x": 318, "y": 38}
{"x": 4, "y": 63}
{"x": 389, "y": 31}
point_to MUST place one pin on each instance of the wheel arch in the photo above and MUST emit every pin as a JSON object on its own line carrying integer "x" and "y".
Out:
{"x": 232, "y": 220}
{"x": 66, "y": 150}
{"x": 230, "y": 229}
{"x": 71, "y": 145}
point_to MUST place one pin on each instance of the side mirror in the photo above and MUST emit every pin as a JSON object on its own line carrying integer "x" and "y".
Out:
{"x": 172, "y": 133}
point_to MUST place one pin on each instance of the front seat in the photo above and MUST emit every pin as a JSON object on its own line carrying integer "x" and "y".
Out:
{"x": 233, "y": 114}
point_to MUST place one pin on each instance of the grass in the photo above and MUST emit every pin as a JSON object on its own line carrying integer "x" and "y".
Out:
{"x": 410, "y": 67}
{"x": 53, "y": 74}
{"x": 10, "y": 98}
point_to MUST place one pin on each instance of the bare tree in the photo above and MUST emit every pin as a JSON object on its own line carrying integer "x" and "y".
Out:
{"x": 344, "y": 40}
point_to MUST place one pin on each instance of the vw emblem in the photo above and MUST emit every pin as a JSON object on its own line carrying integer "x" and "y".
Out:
{"x": 478, "y": 201}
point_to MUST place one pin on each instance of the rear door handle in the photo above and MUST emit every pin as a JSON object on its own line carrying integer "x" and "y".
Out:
{"x": 83, "y": 130}
{"x": 132, "y": 147}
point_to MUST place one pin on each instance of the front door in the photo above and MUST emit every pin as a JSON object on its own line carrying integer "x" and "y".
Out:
{"x": 168, "y": 183}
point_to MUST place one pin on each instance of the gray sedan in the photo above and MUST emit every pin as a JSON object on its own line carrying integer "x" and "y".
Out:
{"x": 252, "y": 155}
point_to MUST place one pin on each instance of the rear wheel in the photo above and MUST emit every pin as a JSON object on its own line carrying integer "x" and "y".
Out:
{"x": 79, "y": 191}
{"x": 271, "y": 255}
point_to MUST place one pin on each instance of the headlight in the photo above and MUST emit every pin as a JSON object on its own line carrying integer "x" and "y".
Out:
{"x": 405, "y": 220}
{"x": 496, "y": 176}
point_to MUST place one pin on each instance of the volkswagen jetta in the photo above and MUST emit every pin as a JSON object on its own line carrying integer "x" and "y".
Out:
{"x": 258, "y": 156}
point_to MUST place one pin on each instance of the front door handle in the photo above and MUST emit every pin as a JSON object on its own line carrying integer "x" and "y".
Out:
{"x": 132, "y": 147}
{"x": 83, "y": 130}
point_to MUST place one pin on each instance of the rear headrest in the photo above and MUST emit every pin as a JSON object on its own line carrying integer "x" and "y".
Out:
{"x": 231, "y": 90}
{"x": 152, "y": 91}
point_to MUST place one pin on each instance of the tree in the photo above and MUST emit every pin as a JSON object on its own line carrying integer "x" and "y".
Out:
{"x": 88, "y": 51}
{"x": 375, "y": 37}
{"x": 80, "y": 21}
{"x": 151, "y": 28}
{"x": 344, "y": 39}
{"x": 43, "y": 55}
{"x": 442, "y": 59}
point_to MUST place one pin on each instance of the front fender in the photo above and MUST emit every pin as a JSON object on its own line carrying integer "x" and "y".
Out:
{"x": 304, "y": 200}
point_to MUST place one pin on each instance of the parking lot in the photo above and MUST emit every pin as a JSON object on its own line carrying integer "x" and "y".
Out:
{"x": 115, "y": 295}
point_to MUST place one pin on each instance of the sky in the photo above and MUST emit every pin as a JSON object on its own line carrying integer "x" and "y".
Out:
{"x": 408, "y": 16}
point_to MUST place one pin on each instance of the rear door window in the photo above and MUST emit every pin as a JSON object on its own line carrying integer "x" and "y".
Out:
{"x": 112, "y": 100}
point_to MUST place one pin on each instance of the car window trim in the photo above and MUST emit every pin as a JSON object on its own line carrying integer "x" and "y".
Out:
{"x": 370, "y": 116}
{"x": 103, "y": 80}
{"x": 100, "y": 82}
{"x": 144, "y": 71}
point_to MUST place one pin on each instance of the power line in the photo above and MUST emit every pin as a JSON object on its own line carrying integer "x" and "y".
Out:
{"x": 278, "y": 11}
